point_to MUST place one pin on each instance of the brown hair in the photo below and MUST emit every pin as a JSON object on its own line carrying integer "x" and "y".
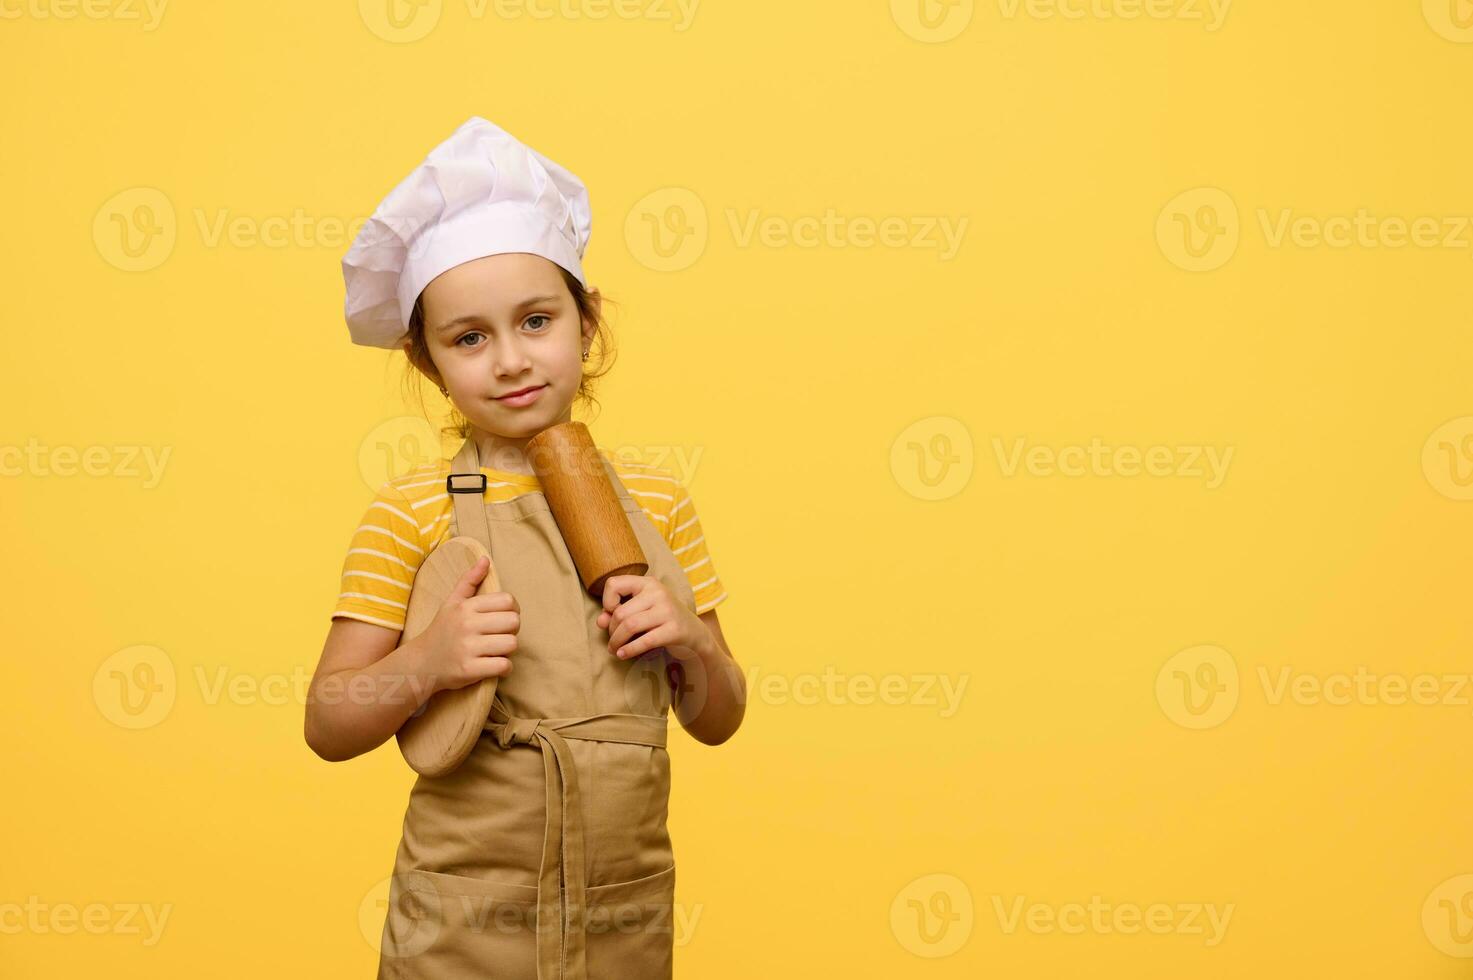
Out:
{"x": 600, "y": 352}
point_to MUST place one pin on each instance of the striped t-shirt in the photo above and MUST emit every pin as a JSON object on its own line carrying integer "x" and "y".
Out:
{"x": 410, "y": 516}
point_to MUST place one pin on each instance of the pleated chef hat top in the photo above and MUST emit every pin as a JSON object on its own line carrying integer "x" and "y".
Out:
{"x": 481, "y": 192}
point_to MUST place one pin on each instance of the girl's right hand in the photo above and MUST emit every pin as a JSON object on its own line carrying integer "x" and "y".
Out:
{"x": 472, "y": 636}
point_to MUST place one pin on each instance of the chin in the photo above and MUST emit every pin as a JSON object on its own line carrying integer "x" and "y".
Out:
{"x": 519, "y": 422}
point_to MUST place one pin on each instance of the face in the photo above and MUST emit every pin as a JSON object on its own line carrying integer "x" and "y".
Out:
{"x": 499, "y": 324}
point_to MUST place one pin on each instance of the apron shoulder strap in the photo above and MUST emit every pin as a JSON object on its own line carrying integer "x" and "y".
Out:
{"x": 466, "y": 486}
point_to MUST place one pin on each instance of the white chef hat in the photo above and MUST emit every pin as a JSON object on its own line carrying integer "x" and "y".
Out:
{"x": 481, "y": 192}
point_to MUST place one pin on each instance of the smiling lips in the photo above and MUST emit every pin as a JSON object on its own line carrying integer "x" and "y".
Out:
{"x": 525, "y": 396}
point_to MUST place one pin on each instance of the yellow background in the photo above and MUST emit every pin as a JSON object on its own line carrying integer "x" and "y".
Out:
{"x": 809, "y": 384}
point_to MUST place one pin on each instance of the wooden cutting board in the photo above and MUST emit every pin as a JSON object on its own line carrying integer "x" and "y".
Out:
{"x": 439, "y": 737}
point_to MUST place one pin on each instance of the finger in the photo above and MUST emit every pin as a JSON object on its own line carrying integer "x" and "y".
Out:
{"x": 651, "y": 640}
{"x": 483, "y": 667}
{"x": 496, "y": 621}
{"x": 494, "y": 645}
{"x": 471, "y": 580}
{"x": 493, "y": 602}
{"x": 631, "y": 626}
{"x": 618, "y": 586}
{"x": 629, "y": 607}
{"x": 620, "y": 633}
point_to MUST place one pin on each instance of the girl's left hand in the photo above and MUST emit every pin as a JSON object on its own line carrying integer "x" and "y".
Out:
{"x": 651, "y": 612}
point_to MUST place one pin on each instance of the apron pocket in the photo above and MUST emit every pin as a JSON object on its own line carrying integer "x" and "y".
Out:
{"x": 631, "y": 928}
{"x": 449, "y": 927}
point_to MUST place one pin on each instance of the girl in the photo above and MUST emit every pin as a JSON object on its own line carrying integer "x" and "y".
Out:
{"x": 545, "y": 853}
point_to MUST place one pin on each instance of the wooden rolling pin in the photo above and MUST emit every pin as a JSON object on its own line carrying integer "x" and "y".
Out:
{"x": 586, "y": 509}
{"x": 584, "y": 505}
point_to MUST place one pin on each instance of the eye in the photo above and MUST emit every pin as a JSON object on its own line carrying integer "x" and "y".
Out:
{"x": 458, "y": 340}
{"x": 539, "y": 316}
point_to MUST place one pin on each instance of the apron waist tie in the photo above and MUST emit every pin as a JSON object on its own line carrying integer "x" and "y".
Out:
{"x": 561, "y": 953}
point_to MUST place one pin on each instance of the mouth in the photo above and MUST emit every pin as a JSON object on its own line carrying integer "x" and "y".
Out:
{"x": 523, "y": 396}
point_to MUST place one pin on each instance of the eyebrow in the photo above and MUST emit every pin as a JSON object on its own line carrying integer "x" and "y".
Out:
{"x": 478, "y": 318}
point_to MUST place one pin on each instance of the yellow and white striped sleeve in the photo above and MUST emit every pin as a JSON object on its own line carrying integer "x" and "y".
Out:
{"x": 382, "y": 558}
{"x": 688, "y": 542}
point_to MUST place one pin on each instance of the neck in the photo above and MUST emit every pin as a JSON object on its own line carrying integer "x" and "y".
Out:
{"x": 507, "y": 453}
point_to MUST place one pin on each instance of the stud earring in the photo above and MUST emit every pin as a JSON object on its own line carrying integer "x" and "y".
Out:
{"x": 585, "y": 355}
{"x": 444, "y": 392}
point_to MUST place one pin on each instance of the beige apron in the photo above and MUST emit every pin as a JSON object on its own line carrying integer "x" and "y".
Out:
{"x": 545, "y": 853}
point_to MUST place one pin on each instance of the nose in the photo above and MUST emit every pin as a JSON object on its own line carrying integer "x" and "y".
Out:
{"x": 510, "y": 359}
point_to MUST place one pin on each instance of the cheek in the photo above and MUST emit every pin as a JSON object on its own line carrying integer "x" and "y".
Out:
{"x": 455, "y": 369}
{"x": 564, "y": 366}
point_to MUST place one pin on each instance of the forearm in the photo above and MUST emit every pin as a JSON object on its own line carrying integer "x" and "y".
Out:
{"x": 354, "y": 710}
{"x": 709, "y": 693}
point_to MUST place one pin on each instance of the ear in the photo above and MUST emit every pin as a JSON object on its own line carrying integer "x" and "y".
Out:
{"x": 590, "y": 327}
{"x": 427, "y": 370}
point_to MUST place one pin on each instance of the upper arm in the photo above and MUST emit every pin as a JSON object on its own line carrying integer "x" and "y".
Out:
{"x": 379, "y": 568}
{"x": 709, "y": 618}
{"x": 378, "y": 572}
{"x": 354, "y": 644}
{"x": 687, "y": 540}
